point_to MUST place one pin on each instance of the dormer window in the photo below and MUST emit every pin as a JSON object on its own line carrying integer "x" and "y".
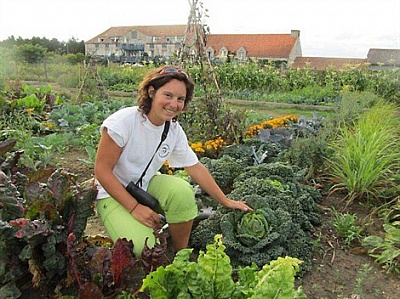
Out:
{"x": 210, "y": 52}
{"x": 241, "y": 54}
{"x": 223, "y": 52}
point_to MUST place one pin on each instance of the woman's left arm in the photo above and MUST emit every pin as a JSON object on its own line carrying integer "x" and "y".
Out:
{"x": 200, "y": 174}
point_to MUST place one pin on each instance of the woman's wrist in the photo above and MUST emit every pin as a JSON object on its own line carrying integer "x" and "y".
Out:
{"x": 224, "y": 200}
{"x": 134, "y": 207}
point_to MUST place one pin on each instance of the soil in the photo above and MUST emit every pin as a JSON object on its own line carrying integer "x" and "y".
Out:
{"x": 338, "y": 272}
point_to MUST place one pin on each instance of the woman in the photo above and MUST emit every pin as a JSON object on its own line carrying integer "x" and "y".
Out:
{"x": 129, "y": 139}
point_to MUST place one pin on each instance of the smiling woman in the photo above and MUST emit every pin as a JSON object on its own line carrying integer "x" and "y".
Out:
{"x": 130, "y": 139}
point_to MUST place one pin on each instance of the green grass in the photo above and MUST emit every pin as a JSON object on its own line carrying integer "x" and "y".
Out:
{"x": 279, "y": 109}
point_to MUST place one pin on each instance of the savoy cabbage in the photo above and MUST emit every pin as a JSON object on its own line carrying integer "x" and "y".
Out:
{"x": 281, "y": 223}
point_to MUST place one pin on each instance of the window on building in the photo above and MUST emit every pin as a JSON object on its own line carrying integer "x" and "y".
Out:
{"x": 134, "y": 34}
{"x": 241, "y": 54}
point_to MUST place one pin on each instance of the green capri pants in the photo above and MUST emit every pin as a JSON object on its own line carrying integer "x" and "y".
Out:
{"x": 176, "y": 199}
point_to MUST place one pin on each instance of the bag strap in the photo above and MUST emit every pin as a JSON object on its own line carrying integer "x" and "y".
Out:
{"x": 163, "y": 137}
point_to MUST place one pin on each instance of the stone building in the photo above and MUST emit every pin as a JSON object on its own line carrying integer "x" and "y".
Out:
{"x": 133, "y": 44}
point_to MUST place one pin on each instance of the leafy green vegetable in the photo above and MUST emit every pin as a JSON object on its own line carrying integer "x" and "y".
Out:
{"x": 211, "y": 277}
{"x": 224, "y": 170}
{"x": 281, "y": 224}
{"x": 36, "y": 245}
{"x": 251, "y": 228}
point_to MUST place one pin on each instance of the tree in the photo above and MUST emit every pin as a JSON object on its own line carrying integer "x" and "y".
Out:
{"x": 31, "y": 53}
{"x": 73, "y": 46}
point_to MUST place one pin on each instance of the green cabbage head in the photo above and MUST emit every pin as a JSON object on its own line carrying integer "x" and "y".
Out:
{"x": 252, "y": 228}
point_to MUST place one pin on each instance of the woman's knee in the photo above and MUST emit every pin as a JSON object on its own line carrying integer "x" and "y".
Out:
{"x": 176, "y": 197}
{"x": 170, "y": 186}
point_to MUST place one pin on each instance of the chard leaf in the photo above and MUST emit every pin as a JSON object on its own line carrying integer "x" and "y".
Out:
{"x": 217, "y": 265}
{"x": 121, "y": 258}
{"x": 169, "y": 281}
{"x": 276, "y": 280}
{"x": 90, "y": 290}
{"x": 100, "y": 259}
{"x": 199, "y": 283}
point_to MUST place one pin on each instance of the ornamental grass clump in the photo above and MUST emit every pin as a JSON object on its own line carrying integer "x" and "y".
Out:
{"x": 366, "y": 156}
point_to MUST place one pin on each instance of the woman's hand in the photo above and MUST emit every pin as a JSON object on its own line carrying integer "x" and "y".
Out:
{"x": 147, "y": 216}
{"x": 239, "y": 205}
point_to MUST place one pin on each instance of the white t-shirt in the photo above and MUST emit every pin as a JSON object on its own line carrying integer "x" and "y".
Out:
{"x": 139, "y": 138}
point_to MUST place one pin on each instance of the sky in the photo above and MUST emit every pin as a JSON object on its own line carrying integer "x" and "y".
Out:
{"x": 328, "y": 28}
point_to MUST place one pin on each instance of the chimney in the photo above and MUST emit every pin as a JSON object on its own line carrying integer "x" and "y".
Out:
{"x": 295, "y": 33}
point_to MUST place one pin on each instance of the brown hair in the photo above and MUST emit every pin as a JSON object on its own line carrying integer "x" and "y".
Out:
{"x": 158, "y": 78}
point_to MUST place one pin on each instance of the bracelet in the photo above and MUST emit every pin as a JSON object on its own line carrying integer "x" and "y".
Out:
{"x": 134, "y": 208}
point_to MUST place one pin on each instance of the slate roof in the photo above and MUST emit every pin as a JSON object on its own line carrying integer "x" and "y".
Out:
{"x": 384, "y": 56}
{"x": 256, "y": 45}
{"x": 321, "y": 63}
{"x": 157, "y": 30}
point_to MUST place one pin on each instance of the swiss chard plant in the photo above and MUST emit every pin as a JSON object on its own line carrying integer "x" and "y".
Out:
{"x": 103, "y": 271}
{"x": 212, "y": 276}
{"x": 38, "y": 209}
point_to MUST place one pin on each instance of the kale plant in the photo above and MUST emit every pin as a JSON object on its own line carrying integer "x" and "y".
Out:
{"x": 224, "y": 170}
{"x": 255, "y": 151}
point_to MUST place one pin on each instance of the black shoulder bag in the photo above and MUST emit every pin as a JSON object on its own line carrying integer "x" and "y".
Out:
{"x": 135, "y": 189}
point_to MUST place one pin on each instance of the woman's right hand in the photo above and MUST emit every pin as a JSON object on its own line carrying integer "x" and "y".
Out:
{"x": 147, "y": 216}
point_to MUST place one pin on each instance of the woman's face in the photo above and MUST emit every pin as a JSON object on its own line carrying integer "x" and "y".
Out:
{"x": 168, "y": 101}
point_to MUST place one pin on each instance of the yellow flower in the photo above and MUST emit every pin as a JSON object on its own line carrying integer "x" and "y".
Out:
{"x": 271, "y": 124}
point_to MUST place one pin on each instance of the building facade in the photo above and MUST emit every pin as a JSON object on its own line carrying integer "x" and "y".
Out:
{"x": 134, "y": 43}
{"x": 137, "y": 43}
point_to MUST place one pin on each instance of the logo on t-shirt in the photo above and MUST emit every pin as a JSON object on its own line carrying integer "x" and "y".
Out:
{"x": 164, "y": 151}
